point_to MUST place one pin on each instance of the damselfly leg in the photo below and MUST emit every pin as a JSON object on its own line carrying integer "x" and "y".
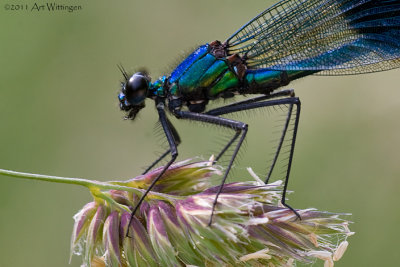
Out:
{"x": 166, "y": 125}
{"x": 261, "y": 102}
{"x": 240, "y": 129}
{"x": 177, "y": 140}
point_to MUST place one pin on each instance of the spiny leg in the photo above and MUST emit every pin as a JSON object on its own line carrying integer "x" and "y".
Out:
{"x": 281, "y": 140}
{"x": 217, "y": 111}
{"x": 296, "y": 125}
{"x": 253, "y": 105}
{"x": 177, "y": 140}
{"x": 174, "y": 154}
{"x": 242, "y": 131}
{"x": 282, "y": 93}
{"x": 228, "y": 145}
{"x": 239, "y": 127}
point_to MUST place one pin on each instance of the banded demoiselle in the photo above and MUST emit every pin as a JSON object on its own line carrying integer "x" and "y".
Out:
{"x": 288, "y": 41}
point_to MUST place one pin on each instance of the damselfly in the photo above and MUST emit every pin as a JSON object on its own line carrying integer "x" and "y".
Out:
{"x": 290, "y": 40}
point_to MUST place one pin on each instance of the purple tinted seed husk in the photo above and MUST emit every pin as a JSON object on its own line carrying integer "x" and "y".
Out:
{"x": 144, "y": 208}
{"x": 98, "y": 220}
{"x": 169, "y": 212}
{"x": 156, "y": 220}
{"x": 123, "y": 225}
{"x": 284, "y": 234}
{"x": 93, "y": 232}
{"x": 111, "y": 237}
{"x": 114, "y": 227}
{"x": 84, "y": 215}
{"x": 121, "y": 197}
{"x": 265, "y": 237}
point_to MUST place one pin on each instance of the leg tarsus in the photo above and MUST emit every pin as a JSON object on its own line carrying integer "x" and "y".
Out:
{"x": 289, "y": 167}
{"x": 292, "y": 209}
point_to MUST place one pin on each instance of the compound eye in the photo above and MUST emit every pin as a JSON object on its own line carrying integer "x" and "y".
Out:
{"x": 136, "y": 88}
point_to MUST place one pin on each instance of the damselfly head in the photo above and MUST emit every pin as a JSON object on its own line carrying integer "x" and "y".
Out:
{"x": 133, "y": 94}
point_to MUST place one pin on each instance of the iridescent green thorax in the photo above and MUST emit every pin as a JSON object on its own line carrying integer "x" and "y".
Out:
{"x": 206, "y": 74}
{"x": 203, "y": 75}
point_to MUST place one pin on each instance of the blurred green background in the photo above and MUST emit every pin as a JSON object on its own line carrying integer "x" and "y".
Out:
{"x": 59, "y": 116}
